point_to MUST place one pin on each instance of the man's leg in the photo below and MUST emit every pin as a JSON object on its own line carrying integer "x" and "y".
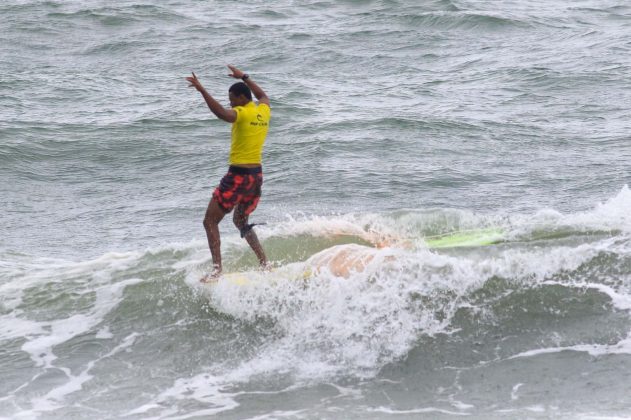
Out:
{"x": 240, "y": 220}
{"x": 214, "y": 214}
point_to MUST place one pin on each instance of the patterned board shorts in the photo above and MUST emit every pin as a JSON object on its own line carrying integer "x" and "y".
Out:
{"x": 240, "y": 186}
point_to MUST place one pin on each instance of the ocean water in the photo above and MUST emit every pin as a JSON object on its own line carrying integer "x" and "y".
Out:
{"x": 393, "y": 120}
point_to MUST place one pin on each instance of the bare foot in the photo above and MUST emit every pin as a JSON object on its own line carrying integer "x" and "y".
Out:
{"x": 212, "y": 277}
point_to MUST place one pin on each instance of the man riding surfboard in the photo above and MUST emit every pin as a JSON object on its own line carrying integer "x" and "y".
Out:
{"x": 240, "y": 188}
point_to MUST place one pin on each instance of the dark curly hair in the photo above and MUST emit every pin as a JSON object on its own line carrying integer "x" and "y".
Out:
{"x": 241, "y": 89}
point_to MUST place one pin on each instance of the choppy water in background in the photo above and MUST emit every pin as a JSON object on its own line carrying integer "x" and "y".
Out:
{"x": 391, "y": 119}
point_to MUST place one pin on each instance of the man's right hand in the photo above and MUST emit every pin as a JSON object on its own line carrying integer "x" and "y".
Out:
{"x": 194, "y": 82}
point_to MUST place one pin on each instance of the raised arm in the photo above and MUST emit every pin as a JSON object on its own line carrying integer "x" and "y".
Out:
{"x": 228, "y": 115}
{"x": 256, "y": 89}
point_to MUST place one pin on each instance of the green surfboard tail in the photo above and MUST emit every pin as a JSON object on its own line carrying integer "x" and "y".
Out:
{"x": 466, "y": 238}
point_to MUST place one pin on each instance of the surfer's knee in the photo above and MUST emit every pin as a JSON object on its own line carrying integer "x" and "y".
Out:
{"x": 245, "y": 230}
{"x": 210, "y": 221}
{"x": 238, "y": 222}
{"x": 242, "y": 225}
{"x": 207, "y": 223}
{"x": 214, "y": 215}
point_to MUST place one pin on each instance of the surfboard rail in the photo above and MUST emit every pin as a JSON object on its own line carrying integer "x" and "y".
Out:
{"x": 466, "y": 238}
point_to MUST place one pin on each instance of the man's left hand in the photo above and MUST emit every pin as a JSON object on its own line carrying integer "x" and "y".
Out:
{"x": 236, "y": 73}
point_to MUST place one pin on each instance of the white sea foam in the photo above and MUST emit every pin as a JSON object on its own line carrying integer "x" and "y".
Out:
{"x": 51, "y": 278}
{"x": 382, "y": 227}
{"x": 331, "y": 325}
{"x": 422, "y": 410}
{"x": 355, "y": 325}
{"x": 276, "y": 414}
{"x": 55, "y": 397}
{"x": 621, "y": 347}
{"x": 537, "y": 408}
{"x": 40, "y": 347}
{"x": 612, "y": 215}
{"x": 621, "y": 301}
{"x": 88, "y": 277}
{"x": 104, "y": 333}
{"x": 203, "y": 388}
{"x": 513, "y": 394}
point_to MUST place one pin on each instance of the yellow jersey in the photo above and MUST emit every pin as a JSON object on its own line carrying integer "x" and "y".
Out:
{"x": 248, "y": 133}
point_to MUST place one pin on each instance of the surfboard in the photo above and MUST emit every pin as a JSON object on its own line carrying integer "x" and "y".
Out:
{"x": 466, "y": 238}
{"x": 236, "y": 278}
{"x": 244, "y": 278}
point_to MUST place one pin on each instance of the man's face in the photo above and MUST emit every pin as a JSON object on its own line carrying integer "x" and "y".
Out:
{"x": 237, "y": 100}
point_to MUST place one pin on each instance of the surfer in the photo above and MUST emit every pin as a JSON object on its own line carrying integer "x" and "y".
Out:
{"x": 346, "y": 259}
{"x": 240, "y": 188}
{"x": 341, "y": 260}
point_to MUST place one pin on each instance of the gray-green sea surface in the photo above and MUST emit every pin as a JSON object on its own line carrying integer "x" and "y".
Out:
{"x": 393, "y": 122}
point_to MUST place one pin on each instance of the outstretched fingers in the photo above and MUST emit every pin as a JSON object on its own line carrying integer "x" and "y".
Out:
{"x": 236, "y": 73}
{"x": 194, "y": 82}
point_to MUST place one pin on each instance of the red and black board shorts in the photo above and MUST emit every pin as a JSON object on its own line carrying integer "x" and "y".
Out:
{"x": 240, "y": 186}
